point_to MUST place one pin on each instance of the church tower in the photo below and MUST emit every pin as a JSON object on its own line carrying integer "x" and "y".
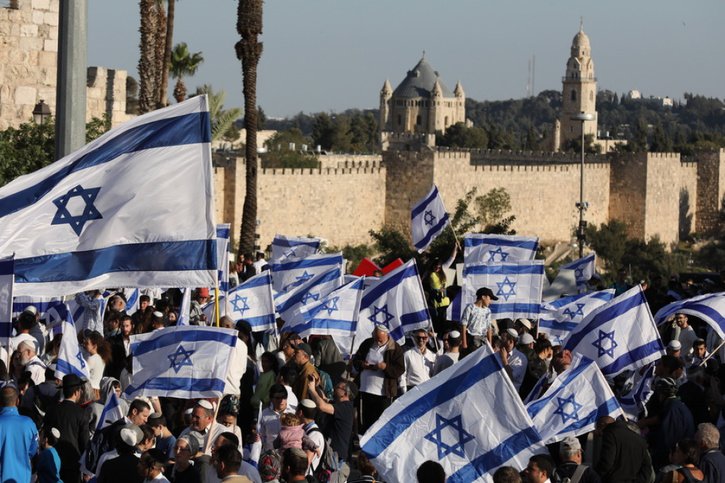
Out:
{"x": 386, "y": 94}
{"x": 579, "y": 91}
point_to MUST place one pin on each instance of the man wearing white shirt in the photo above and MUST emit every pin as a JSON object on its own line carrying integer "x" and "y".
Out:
{"x": 419, "y": 360}
{"x": 270, "y": 424}
{"x": 204, "y": 426}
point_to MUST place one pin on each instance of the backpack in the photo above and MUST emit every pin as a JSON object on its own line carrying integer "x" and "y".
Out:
{"x": 575, "y": 477}
{"x": 328, "y": 461}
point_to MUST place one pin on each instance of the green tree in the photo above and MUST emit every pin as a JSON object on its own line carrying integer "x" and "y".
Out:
{"x": 609, "y": 241}
{"x": 390, "y": 243}
{"x": 323, "y": 131}
{"x": 462, "y": 222}
{"x": 280, "y": 153}
{"x": 492, "y": 209}
{"x": 221, "y": 119}
{"x": 461, "y": 136}
{"x": 183, "y": 64}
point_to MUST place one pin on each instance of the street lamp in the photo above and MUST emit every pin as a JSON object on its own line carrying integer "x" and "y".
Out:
{"x": 582, "y": 205}
{"x": 41, "y": 112}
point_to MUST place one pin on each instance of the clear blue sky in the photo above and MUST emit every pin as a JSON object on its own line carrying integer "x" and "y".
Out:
{"x": 330, "y": 55}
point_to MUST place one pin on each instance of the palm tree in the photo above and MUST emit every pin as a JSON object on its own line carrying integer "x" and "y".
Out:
{"x": 221, "y": 119}
{"x": 249, "y": 50}
{"x": 160, "y": 51}
{"x": 168, "y": 43}
{"x": 147, "y": 58}
{"x": 183, "y": 63}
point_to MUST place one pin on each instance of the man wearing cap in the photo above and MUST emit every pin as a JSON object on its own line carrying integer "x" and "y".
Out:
{"x": 513, "y": 360}
{"x": 380, "y": 362}
{"x": 72, "y": 422}
{"x": 419, "y": 360}
{"x": 476, "y": 320}
{"x": 525, "y": 344}
{"x": 339, "y": 426}
{"x": 452, "y": 343}
{"x": 571, "y": 467}
{"x": 196, "y": 314}
{"x": 120, "y": 463}
{"x": 18, "y": 439}
{"x": 204, "y": 426}
{"x": 306, "y": 370}
{"x": 307, "y": 412}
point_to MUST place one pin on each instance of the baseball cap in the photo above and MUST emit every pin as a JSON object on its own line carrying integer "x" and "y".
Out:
{"x": 570, "y": 443}
{"x": 485, "y": 291}
{"x": 305, "y": 347}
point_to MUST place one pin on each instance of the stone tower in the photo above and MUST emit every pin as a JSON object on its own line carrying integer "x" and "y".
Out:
{"x": 579, "y": 91}
{"x": 386, "y": 93}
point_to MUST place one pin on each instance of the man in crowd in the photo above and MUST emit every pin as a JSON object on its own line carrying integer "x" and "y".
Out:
{"x": 539, "y": 470}
{"x": 305, "y": 369}
{"x": 712, "y": 460}
{"x": 203, "y": 425}
{"x": 31, "y": 362}
{"x": 624, "y": 455}
{"x": 571, "y": 467}
{"x": 452, "y": 344}
{"x": 687, "y": 334}
{"x": 294, "y": 465}
{"x": 513, "y": 360}
{"x": 307, "y": 412}
{"x": 476, "y": 320}
{"x": 339, "y": 427}
{"x": 227, "y": 461}
{"x": 269, "y": 424}
{"x": 18, "y": 439}
{"x": 419, "y": 360}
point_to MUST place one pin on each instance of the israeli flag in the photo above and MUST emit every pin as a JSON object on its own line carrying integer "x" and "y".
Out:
{"x": 185, "y": 309}
{"x": 574, "y": 402}
{"x": 397, "y": 302}
{"x": 560, "y": 317}
{"x": 310, "y": 291}
{"x": 132, "y": 299}
{"x": 293, "y": 272}
{"x": 294, "y": 247}
{"x": 110, "y": 214}
{"x": 252, "y": 301}
{"x": 454, "y": 419}
{"x": 70, "y": 359}
{"x": 453, "y": 312}
{"x": 222, "y": 238}
{"x": 517, "y": 285}
{"x": 709, "y": 307}
{"x": 6, "y": 307}
{"x": 43, "y": 304}
{"x": 112, "y": 412}
{"x": 335, "y": 314}
{"x": 619, "y": 335}
{"x": 634, "y": 402}
{"x": 181, "y": 362}
{"x": 76, "y": 311}
{"x": 480, "y": 248}
{"x": 428, "y": 219}
{"x": 584, "y": 268}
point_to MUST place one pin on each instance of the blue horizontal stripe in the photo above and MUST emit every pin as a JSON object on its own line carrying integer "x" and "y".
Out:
{"x": 420, "y": 207}
{"x": 6, "y": 266}
{"x": 172, "y": 131}
{"x": 174, "y": 336}
{"x": 635, "y": 355}
{"x": 222, "y": 232}
{"x": 706, "y": 312}
{"x": 169, "y": 384}
{"x": 536, "y": 406}
{"x": 605, "y": 316}
{"x": 675, "y": 307}
{"x": 322, "y": 326}
{"x": 132, "y": 257}
{"x": 299, "y": 293}
{"x": 410, "y": 321}
{"x": 432, "y": 233}
{"x": 505, "y": 269}
{"x": 306, "y": 263}
{"x": 387, "y": 284}
{"x": 262, "y": 322}
{"x": 489, "y": 461}
{"x": 254, "y": 282}
{"x": 503, "y": 242}
{"x": 516, "y": 308}
{"x": 41, "y": 306}
{"x": 67, "y": 368}
{"x": 6, "y": 329}
{"x": 605, "y": 409}
{"x": 555, "y": 324}
{"x": 289, "y": 243}
{"x": 442, "y": 394}
{"x": 588, "y": 260}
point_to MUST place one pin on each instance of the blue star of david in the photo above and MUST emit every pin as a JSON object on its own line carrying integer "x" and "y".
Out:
{"x": 460, "y": 439}
{"x": 330, "y": 306}
{"x": 600, "y": 343}
{"x": 306, "y": 297}
{"x": 81, "y": 361}
{"x": 579, "y": 273}
{"x": 498, "y": 251}
{"x": 429, "y": 218}
{"x": 240, "y": 304}
{"x": 304, "y": 277}
{"x": 573, "y": 313}
{"x": 186, "y": 361}
{"x": 77, "y": 222}
{"x": 563, "y": 404}
{"x": 387, "y": 316}
{"x": 509, "y": 292}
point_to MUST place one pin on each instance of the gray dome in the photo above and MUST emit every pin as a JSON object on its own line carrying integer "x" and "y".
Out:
{"x": 419, "y": 82}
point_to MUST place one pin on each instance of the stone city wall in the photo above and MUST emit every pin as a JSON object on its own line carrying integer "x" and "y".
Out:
{"x": 710, "y": 190}
{"x": 106, "y": 95}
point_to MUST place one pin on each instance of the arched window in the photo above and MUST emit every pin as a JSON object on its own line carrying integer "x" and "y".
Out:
{"x": 573, "y": 95}
{"x": 417, "y": 120}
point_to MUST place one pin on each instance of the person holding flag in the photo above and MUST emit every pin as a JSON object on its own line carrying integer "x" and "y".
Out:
{"x": 476, "y": 320}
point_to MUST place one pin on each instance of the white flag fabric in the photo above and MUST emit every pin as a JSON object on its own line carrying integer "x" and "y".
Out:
{"x": 480, "y": 248}
{"x": 428, "y": 219}
{"x": 185, "y": 308}
{"x": 189, "y": 362}
{"x": 6, "y": 308}
{"x": 293, "y": 272}
{"x": 42, "y": 304}
{"x": 111, "y": 214}
{"x": 252, "y": 301}
{"x": 709, "y": 307}
{"x": 574, "y": 402}
{"x": 517, "y": 285}
{"x": 455, "y": 418}
{"x": 335, "y": 314}
{"x": 397, "y": 302}
{"x": 112, "y": 412}
{"x": 70, "y": 359}
{"x": 293, "y": 247}
{"x": 309, "y": 291}
{"x": 223, "y": 231}
{"x": 584, "y": 268}
{"x": 619, "y": 335}
{"x": 560, "y": 317}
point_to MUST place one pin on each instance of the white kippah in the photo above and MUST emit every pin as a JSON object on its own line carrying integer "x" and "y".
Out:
{"x": 454, "y": 334}
{"x": 205, "y": 404}
{"x": 158, "y": 314}
{"x": 129, "y": 436}
{"x": 308, "y": 403}
{"x": 513, "y": 333}
{"x": 55, "y": 433}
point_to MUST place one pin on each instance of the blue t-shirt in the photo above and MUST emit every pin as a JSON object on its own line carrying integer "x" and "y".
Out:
{"x": 49, "y": 466}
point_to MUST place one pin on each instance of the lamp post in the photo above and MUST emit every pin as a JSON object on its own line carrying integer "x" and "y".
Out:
{"x": 41, "y": 112}
{"x": 582, "y": 205}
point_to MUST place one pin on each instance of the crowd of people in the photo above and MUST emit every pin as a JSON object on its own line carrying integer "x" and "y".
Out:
{"x": 302, "y": 406}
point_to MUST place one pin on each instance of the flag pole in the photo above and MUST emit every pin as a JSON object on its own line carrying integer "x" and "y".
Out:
{"x": 714, "y": 351}
{"x": 216, "y": 302}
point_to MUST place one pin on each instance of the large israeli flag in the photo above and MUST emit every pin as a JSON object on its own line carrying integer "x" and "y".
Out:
{"x": 456, "y": 419}
{"x": 517, "y": 285}
{"x": 560, "y": 317}
{"x": 709, "y": 307}
{"x": 619, "y": 335}
{"x": 480, "y": 248}
{"x": 574, "y": 402}
{"x": 584, "y": 268}
{"x": 293, "y": 272}
{"x": 428, "y": 219}
{"x": 294, "y": 247}
{"x": 335, "y": 314}
{"x": 310, "y": 291}
{"x": 6, "y": 307}
{"x": 223, "y": 231}
{"x": 252, "y": 301}
{"x": 397, "y": 302}
{"x": 134, "y": 208}
{"x": 70, "y": 359}
{"x": 184, "y": 362}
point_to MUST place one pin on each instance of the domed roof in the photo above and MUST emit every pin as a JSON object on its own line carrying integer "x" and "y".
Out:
{"x": 580, "y": 40}
{"x": 419, "y": 82}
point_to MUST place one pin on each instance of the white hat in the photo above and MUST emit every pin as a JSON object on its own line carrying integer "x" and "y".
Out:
{"x": 130, "y": 435}
{"x": 512, "y": 333}
{"x": 526, "y": 338}
{"x": 19, "y": 339}
{"x": 454, "y": 334}
{"x": 308, "y": 403}
{"x": 55, "y": 433}
{"x": 205, "y": 404}
{"x": 674, "y": 345}
{"x": 570, "y": 443}
{"x": 382, "y": 328}
{"x": 525, "y": 322}
{"x": 32, "y": 309}
{"x": 158, "y": 314}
